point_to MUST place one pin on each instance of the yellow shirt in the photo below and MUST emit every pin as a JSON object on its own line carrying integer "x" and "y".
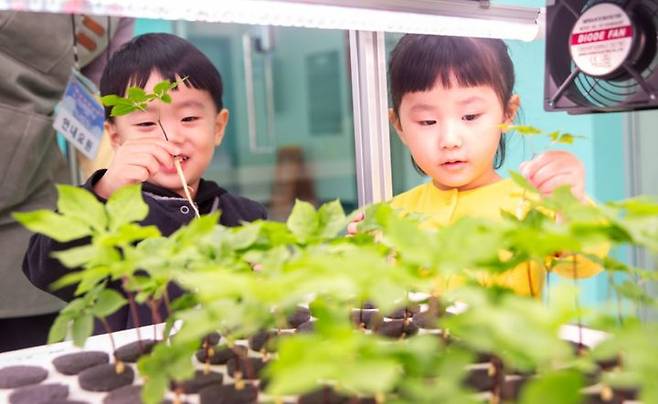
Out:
{"x": 445, "y": 207}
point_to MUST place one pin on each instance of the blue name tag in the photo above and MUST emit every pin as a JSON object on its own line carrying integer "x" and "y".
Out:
{"x": 79, "y": 116}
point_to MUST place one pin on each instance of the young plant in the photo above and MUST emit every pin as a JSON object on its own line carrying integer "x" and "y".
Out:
{"x": 137, "y": 99}
{"x": 102, "y": 238}
{"x": 242, "y": 280}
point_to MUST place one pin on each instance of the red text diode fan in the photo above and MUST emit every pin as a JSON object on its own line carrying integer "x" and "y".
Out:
{"x": 601, "y": 55}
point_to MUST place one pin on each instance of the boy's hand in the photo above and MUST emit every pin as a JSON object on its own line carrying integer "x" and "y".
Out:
{"x": 553, "y": 169}
{"x": 136, "y": 161}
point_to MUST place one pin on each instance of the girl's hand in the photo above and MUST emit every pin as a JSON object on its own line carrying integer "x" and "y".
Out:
{"x": 553, "y": 169}
{"x": 136, "y": 161}
{"x": 352, "y": 226}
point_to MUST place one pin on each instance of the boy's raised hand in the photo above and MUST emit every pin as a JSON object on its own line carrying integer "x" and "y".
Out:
{"x": 553, "y": 169}
{"x": 136, "y": 161}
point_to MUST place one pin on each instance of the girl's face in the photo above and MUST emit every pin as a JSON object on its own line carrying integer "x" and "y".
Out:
{"x": 453, "y": 133}
{"x": 191, "y": 121}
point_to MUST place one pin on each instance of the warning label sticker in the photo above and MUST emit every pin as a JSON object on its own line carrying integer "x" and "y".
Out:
{"x": 601, "y": 39}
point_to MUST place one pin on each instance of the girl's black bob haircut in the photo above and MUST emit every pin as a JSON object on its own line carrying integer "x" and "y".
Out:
{"x": 419, "y": 61}
{"x": 169, "y": 55}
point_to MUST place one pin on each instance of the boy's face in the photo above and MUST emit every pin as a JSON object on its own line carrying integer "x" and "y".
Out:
{"x": 453, "y": 133}
{"x": 191, "y": 122}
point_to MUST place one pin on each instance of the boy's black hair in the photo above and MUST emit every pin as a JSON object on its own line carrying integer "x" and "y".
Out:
{"x": 418, "y": 61}
{"x": 167, "y": 54}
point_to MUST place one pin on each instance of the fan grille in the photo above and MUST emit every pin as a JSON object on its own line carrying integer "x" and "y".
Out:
{"x": 609, "y": 93}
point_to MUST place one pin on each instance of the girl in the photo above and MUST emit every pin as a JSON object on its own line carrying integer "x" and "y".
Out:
{"x": 451, "y": 96}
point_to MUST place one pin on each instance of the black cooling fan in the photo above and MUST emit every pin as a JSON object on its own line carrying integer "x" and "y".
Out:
{"x": 601, "y": 56}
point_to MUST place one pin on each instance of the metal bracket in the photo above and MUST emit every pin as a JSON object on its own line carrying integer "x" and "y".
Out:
{"x": 371, "y": 131}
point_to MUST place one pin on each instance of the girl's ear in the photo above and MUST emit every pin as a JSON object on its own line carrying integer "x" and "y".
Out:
{"x": 221, "y": 120}
{"x": 394, "y": 119}
{"x": 112, "y": 131}
{"x": 512, "y": 108}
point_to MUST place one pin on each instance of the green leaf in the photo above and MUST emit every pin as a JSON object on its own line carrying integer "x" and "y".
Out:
{"x": 81, "y": 204}
{"x": 187, "y": 301}
{"x": 108, "y": 302}
{"x": 136, "y": 94}
{"x": 303, "y": 221}
{"x": 59, "y": 329}
{"x": 127, "y": 234}
{"x": 77, "y": 256}
{"x": 59, "y": 228}
{"x": 125, "y": 206}
{"x": 635, "y": 292}
{"x": 331, "y": 219}
{"x": 154, "y": 390}
{"x": 558, "y": 387}
{"x": 83, "y": 327}
{"x": 173, "y": 362}
{"x": 112, "y": 99}
{"x": 371, "y": 375}
{"x": 166, "y": 98}
{"x": 525, "y": 129}
{"x": 244, "y": 236}
{"x": 521, "y": 181}
{"x": 169, "y": 325}
{"x": 66, "y": 280}
{"x": 198, "y": 228}
{"x": 162, "y": 87}
{"x": 639, "y": 207}
{"x": 566, "y": 138}
{"x": 122, "y": 109}
{"x": 412, "y": 243}
{"x": 91, "y": 278}
{"x": 74, "y": 308}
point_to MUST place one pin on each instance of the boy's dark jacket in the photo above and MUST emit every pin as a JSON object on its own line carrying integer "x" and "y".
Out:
{"x": 168, "y": 211}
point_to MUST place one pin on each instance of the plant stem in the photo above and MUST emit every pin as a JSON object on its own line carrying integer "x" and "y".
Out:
{"x": 108, "y": 330}
{"x": 574, "y": 269}
{"x": 499, "y": 377}
{"x": 186, "y": 189}
{"x": 611, "y": 280}
{"x": 181, "y": 176}
{"x": 119, "y": 366}
{"x": 207, "y": 348}
{"x": 155, "y": 314}
{"x": 167, "y": 302}
{"x": 239, "y": 382}
{"x": 548, "y": 286}
{"x": 134, "y": 313}
{"x": 528, "y": 272}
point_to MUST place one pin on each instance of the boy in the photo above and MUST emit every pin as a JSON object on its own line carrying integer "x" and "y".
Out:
{"x": 194, "y": 121}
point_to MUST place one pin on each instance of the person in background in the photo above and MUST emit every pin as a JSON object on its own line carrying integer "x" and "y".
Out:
{"x": 292, "y": 181}
{"x": 36, "y": 58}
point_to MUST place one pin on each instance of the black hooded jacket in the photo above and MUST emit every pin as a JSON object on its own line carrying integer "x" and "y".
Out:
{"x": 167, "y": 211}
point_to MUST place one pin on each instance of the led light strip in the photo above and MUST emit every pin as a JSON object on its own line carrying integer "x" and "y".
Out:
{"x": 484, "y": 23}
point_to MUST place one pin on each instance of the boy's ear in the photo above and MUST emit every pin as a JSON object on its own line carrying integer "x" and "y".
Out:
{"x": 394, "y": 119}
{"x": 113, "y": 133}
{"x": 512, "y": 108}
{"x": 221, "y": 120}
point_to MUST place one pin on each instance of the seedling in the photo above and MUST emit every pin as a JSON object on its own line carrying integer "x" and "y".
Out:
{"x": 307, "y": 260}
{"x": 137, "y": 99}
